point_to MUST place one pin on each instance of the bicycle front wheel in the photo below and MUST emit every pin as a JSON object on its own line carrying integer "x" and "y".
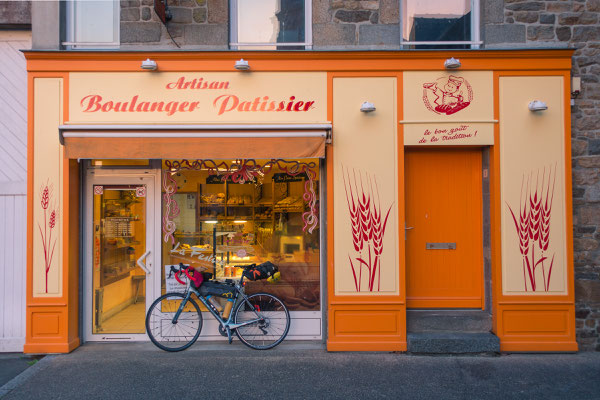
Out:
{"x": 170, "y": 335}
{"x": 270, "y": 321}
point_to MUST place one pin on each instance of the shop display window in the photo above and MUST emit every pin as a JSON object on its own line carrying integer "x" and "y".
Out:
{"x": 217, "y": 214}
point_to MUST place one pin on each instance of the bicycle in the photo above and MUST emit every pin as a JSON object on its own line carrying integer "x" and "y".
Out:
{"x": 261, "y": 321}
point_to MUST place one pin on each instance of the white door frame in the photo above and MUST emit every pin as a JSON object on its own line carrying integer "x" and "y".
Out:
{"x": 151, "y": 178}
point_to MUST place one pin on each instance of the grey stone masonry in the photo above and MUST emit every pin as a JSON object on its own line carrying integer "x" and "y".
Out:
{"x": 15, "y": 13}
{"x": 575, "y": 24}
{"x": 196, "y": 24}
{"x": 353, "y": 24}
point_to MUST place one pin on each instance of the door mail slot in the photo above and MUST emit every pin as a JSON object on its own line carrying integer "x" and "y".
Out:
{"x": 440, "y": 246}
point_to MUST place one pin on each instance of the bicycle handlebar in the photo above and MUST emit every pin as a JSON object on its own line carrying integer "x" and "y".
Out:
{"x": 182, "y": 268}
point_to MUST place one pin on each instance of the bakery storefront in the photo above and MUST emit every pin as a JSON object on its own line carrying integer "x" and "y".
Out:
{"x": 380, "y": 184}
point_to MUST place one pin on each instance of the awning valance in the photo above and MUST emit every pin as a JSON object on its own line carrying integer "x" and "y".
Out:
{"x": 195, "y": 141}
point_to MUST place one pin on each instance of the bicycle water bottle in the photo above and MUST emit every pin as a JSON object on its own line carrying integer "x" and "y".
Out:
{"x": 228, "y": 307}
{"x": 214, "y": 303}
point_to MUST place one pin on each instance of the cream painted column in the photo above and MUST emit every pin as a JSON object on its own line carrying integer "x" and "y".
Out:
{"x": 532, "y": 163}
{"x": 366, "y": 187}
{"x": 47, "y": 189}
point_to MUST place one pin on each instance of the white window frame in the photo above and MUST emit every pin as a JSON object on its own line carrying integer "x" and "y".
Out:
{"x": 72, "y": 44}
{"x": 234, "y": 44}
{"x": 475, "y": 41}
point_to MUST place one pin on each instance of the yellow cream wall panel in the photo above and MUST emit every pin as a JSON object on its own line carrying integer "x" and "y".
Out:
{"x": 442, "y": 96}
{"x": 365, "y": 187}
{"x": 532, "y": 186}
{"x": 174, "y": 97}
{"x": 47, "y": 188}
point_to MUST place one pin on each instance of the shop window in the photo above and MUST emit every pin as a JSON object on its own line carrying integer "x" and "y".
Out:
{"x": 270, "y": 24}
{"x": 217, "y": 214}
{"x": 440, "y": 24}
{"x": 92, "y": 24}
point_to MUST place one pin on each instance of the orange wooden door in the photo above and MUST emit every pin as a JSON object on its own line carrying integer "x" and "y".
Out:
{"x": 444, "y": 208}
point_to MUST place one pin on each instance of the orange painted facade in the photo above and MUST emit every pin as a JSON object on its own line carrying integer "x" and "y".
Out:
{"x": 371, "y": 317}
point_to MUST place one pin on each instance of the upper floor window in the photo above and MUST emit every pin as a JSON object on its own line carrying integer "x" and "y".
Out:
{"x": 435, "y": 24}
{"x": 92, "y": 24}
{"x": 270, "y": 24}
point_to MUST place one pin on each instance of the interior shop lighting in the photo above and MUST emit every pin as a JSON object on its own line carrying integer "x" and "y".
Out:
{"x": 537, "y": 105}
{"x": 452, "y": 63}
{"x": 149, "y": 65}
{"x": 242, "y": 65}
{"x": 239, "y": 221}
{"x": 367, "y": 107}
{"x": 211, "y": 222}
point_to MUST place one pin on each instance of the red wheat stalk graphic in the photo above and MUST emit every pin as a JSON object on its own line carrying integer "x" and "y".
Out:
{"x": 366, "y": 226}
{"x": 355, "y": 226}
{"x": 533, "y": 226}
{"x": 48, "y": 244}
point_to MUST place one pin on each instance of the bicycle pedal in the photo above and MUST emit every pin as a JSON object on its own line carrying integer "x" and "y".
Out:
{"x": 229, "y": 336}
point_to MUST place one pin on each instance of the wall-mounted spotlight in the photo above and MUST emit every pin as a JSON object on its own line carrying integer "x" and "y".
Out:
{"x": 367, "y": 107}
{"x": 242, "y": 65}
{"x": 452, "y": 63}
{"x": 149, "y": 64}
{"x": 537, "y": 105}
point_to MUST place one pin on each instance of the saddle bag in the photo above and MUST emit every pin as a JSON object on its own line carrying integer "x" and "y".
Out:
{"x": 261, "y": 271}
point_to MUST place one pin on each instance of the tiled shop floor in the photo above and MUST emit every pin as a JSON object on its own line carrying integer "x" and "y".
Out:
{"x": 130, "y": 320}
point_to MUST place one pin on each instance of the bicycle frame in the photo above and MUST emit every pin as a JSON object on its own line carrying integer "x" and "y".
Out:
{"x": 215, "y": 313}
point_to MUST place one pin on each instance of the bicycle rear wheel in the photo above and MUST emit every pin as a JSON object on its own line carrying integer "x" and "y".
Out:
{"x": 169, "y": 335}
{"x": 271, "y": 321}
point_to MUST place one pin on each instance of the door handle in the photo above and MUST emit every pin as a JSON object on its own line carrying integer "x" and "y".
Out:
{"x": 407, "y": 228}
{"x": 141, "y": 264}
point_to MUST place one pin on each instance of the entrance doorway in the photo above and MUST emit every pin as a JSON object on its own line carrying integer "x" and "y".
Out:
{"x": 444, "y": 238}
{"x": 119, "y": 248}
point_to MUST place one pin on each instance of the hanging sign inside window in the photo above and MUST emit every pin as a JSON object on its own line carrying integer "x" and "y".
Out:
{"x": 171, "y": 283}
{"x": 285, "y": 177}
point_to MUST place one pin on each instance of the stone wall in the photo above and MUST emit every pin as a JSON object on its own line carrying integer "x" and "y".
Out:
{"x": 15, "y": 14}
{"x": 348, "y": 24}
{"x": 196, "y": 24}
{"x": 515, "y": 23}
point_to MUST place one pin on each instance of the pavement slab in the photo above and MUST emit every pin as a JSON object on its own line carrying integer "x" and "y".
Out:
{"x": 141, "y": 371}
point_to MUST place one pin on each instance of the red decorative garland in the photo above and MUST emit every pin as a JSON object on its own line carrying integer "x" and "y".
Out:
{"x": 241, "y": 171}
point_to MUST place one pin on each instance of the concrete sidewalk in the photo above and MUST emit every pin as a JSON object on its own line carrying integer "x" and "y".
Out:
{"x": 296, "y": 371}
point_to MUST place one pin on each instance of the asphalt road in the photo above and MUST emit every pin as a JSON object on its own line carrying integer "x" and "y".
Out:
{"x": 140, "y": 371}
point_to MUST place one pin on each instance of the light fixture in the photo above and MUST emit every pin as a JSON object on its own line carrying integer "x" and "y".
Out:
{"x": 239, "y": 221}
{"x": 367, "y": 107}
{"x": 537, "y": 105}
{"x": 149, "y": 64}
{"x": 242, "y": 65}
{"x": 211, "y": 222}
{"x": 452, "y": 63}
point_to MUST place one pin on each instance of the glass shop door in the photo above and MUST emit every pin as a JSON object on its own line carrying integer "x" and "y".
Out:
{"x": 119, "y": 252}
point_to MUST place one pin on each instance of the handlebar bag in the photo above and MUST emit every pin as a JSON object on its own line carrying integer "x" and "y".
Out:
{"x": 197, "y": 278}
{"x": 217, "y": 289}
{"x": 261, "y": 271}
